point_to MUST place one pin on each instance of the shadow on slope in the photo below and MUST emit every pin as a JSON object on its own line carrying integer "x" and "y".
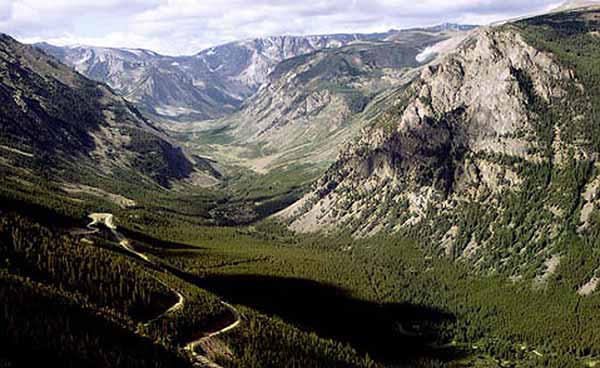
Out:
{"x": 398, "y": 332}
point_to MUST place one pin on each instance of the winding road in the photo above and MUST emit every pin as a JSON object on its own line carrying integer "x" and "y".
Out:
{"x": 198, "y": 360}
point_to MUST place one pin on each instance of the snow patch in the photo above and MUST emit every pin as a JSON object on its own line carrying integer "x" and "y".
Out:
{"x": 440, "y": 48}
{"x": 168, "y": 110}
{"x": 136, "y": 52}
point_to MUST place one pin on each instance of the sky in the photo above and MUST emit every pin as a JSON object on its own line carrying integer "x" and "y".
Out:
{"x": 183, "y": 27}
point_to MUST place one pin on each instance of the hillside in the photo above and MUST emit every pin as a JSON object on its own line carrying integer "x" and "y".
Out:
{"x": 57, "y": 123}
{"x": 489, "y": 156}
{"x": 160, "y": 86}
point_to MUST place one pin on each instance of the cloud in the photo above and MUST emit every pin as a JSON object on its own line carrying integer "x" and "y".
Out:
{"x": 187, "y": 26}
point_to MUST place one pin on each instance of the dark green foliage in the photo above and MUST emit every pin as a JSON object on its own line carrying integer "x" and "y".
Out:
{"x": 157, "y": 158}
{"x": 517, "y": 229}
{"x": 270, "y": 342}
{"x": 505, "y": 321}
{"x": 57, "y": 123}
{"x": 40, "y": 114}
{"x": 45, "y": 326}
{"x": 325, "y": 301}
{"x": 571, "y": 38}
{"x": 67, "y": 263}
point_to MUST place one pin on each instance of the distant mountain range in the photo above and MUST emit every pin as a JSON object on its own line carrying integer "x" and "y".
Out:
{"x": 441, "y": 184}
{"x": 207, "y": 85}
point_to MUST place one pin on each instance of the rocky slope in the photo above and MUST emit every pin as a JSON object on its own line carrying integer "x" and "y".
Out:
{"x": 485, "y": 155}
{"x": 56, "y": 122}
{"x": 207, "y": 85}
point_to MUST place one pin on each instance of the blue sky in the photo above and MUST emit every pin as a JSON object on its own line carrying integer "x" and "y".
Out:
{"x": 177, "y": 27}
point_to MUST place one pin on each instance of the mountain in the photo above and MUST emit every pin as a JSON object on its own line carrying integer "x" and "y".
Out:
{"x": 489, "y": 156}
{"x": 158, "y": 85}
{"x": 576, "y": 4}
{"x": 310, "y": 104}
{"x": 209, "y": 84}
{"x": 56, "y": 122}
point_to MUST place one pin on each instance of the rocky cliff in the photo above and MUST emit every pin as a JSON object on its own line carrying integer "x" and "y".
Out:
{"x": 485, "y": 154}
{"x": 312, "y": 103}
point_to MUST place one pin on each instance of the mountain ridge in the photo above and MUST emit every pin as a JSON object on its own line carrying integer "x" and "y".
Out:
{"x": 206, "y": 85}
{"x": 312, "y": 103}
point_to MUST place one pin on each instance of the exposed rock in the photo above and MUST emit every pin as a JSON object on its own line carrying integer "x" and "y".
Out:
{"x": 590, "y": 203}
{"x": 469, "y": 103}
{"x": 589, "y": 287}
{"x": 311, "y": 104}
{"x": 448, "y": 240}
{"x": 551, "y": 264}
{"x": 211, "y": 83}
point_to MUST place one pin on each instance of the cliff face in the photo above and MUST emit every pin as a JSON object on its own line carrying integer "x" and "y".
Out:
{"x": 310, "y": 99}
{"x": 471, "y": 131}
{"x": 207, "y": 85}
{"x": 162, "y": 86}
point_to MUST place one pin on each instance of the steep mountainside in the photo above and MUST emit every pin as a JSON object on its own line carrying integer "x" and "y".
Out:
{"x": 310, "y": 99}
{"x": 56, "y": 122}
{"x": 209, "y": 84}
{"x": 488, "y": 156}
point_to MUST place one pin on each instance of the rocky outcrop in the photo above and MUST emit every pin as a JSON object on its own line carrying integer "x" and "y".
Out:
{"x": 158, "y": 85}
{"x": 207, "y": 85}
{"x": 312, "y": 103}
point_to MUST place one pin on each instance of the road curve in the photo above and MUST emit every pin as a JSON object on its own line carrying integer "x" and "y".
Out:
{"x": 201, "y": 360}
{"x": 198, "y": 360}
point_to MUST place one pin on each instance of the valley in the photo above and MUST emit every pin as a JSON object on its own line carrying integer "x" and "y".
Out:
{"x": 426, "y": 197}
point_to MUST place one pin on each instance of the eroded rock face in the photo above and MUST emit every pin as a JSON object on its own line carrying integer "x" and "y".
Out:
{"x": 431, "y": 151}
{"x": 207, "y": 85}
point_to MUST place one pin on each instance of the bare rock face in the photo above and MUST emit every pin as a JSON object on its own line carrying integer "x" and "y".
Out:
{"x": 435, "y": 149}
{"x": 207, "y": 85}
{"x": 164, "y": 86}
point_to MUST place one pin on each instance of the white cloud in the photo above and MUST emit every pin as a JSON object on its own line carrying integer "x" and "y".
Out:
{"x": 186, "y": 26}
